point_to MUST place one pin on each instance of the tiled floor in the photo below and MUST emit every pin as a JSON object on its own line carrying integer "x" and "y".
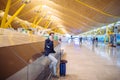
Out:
{"x": 86, "y": 63}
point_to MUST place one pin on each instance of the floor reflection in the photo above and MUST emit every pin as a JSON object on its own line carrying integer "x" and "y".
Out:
{"x": 105, "y": 51}
{"x": 110, "y": 53}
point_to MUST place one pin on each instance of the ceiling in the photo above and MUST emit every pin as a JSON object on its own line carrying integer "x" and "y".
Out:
{"x": 75, "y": 16}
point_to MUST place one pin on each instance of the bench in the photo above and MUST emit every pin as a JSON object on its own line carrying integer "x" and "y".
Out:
{"x": 15, "y": 63}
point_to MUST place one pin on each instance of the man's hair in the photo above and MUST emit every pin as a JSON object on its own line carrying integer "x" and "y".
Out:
{"x": 51, "y": 33}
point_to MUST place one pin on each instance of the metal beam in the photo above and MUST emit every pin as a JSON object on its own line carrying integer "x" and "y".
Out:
{"x": 29, "y": 11}
{"x": 4, "y": 19}
{"x": 107, "y": 29}
{"x": 10, "y": 25}
{"x": 35, "y": 19}
{"x": 15, "y": 3}
{"x": 23, "y": 25}
{"x": 26, "y": 12}
{"x": 102, "y": 12}
{"x": 16, "y": 13}
{"x": 48, "y": 24}
{"x": 40, "y": 20}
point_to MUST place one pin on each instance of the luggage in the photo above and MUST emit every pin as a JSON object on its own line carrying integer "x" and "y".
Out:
{"x": 63, "y": 67}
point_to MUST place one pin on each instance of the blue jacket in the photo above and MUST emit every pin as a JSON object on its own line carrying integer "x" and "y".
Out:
{"x": 49, "y": 47}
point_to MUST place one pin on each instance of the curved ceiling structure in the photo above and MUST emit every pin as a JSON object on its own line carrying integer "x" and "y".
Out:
{"x": 75, "y": 16}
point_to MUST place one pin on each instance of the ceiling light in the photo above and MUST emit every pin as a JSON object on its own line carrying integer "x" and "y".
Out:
{"x": 45, "y": 7}
{"x": 1, "y": 14}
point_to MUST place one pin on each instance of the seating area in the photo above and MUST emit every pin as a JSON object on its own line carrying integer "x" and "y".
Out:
{"x": 16, "y": 58}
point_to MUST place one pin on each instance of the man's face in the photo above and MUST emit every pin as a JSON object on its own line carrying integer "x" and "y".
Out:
{"x": 52, "y": 35}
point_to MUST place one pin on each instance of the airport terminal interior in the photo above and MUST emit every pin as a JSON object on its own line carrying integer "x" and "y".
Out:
{"x": 86, "y": 39}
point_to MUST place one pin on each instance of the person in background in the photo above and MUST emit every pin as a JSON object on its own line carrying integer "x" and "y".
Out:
{"x": 93, "y": 41}
{"x": 71, "y": 38}
{"x": 80, "y": 40}
{"x": 96, "y": 41}
{"x": 49, "y": 52}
